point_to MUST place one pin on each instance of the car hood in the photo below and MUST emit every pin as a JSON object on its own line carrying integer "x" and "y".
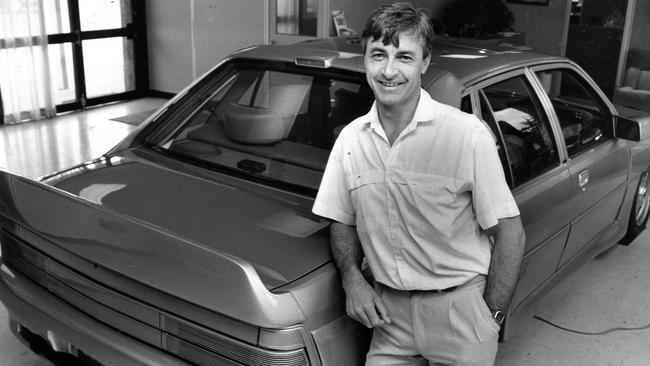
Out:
{"x": 220, "y": 243}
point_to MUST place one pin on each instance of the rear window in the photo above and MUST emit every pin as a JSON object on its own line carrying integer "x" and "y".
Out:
{"x": 274, "y": 122}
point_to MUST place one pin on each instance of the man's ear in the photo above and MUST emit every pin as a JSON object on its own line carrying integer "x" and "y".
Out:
{"x": 425, "y": 63}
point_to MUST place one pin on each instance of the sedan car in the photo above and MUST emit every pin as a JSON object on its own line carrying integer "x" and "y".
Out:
{"x": 192, "y": 242}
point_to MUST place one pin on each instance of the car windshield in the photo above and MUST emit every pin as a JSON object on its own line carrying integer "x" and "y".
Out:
{"x": 277, "y": 122}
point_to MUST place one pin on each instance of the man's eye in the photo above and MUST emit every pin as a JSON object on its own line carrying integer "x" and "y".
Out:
{"x": 377, "y": 56}
{"x": 406, "y": 58}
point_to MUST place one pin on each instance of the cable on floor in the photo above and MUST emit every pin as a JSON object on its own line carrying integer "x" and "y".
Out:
{"x": 616, "y": 329}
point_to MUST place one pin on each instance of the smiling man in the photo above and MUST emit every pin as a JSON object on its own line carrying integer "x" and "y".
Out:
{"x": 417, "y": 188}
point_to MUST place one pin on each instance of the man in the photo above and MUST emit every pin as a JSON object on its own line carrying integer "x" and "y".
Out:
{"x": 417, "y": 187}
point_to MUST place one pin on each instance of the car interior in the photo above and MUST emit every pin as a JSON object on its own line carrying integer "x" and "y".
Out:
{"x": 522, "y": 131}
{"x": 582, "y": 120}
{"x": 276, "y": 124}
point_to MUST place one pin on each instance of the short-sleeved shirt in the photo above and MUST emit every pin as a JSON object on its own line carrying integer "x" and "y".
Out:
{"x": 422, "y": 205}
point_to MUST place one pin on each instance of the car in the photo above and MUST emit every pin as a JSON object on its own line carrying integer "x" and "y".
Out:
{"x": 192, "y": 241}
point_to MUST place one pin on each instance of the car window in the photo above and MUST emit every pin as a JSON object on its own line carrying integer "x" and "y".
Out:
{"x": 488, "y": 120}
{"x": 466, "y": 104}
{"x": 584, "y": 120}
{"x": 515, "y": 115}
{"x": 273, "y": 122}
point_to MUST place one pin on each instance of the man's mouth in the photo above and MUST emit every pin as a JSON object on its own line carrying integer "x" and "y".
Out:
{"x": 389, "y": 85}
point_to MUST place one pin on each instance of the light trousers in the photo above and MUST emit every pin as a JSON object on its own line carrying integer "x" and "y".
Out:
{"x": 429, "y": 328}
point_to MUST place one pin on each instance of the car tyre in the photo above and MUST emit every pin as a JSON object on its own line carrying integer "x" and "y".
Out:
{"x": 640, "y": 209}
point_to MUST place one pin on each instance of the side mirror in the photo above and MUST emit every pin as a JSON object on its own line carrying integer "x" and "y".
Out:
{"x": 634, "y": 128}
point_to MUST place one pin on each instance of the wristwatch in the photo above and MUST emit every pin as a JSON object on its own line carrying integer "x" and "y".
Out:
{"x": 498, "y": 315}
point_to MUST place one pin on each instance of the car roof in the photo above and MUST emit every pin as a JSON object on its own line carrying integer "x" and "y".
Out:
{"x": 466, "y": 59}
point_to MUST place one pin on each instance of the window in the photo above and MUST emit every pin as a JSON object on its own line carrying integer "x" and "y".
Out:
{"x": 466, "y": 104}
{"x": 488, "y": 119}
{"x": 96, "y": 49}
{"x": 525, "y": 137}
{"x": 108, "y": 67}
{"x": 269, "y": 122}
{"x": 584, "y": 119}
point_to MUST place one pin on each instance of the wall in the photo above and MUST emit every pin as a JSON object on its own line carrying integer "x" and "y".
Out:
{"x": 187, "y": 38}
{"x": 357, "y": 13}
{"x": 169, "y": 44}
{"x": 544, "y": 26}
{"x": 182, "y": 47}
{"x": 222, "y": 27}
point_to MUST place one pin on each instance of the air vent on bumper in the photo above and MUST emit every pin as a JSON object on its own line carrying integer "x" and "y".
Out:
{"x": 182, "y": 338}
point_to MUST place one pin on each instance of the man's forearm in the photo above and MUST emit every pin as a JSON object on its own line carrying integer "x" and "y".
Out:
{"x": 509, "y": 246}
{"x": 362, "y": 302}
{"x": 346, "y": 249}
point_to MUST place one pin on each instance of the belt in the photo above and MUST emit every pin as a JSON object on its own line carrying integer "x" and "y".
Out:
{"x": 473, "y": 281}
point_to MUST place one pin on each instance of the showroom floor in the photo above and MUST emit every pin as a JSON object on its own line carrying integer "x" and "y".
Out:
{"x": 609, "y": 295}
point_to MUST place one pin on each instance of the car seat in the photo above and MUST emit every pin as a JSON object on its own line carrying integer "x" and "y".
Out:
{"x": 253, "y": 125}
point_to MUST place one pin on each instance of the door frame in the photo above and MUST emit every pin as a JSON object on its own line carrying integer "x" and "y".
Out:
{"x": 625, "y": 42}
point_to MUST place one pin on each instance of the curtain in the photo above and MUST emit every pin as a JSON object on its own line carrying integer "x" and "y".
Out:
{"x": 25, "y": 79}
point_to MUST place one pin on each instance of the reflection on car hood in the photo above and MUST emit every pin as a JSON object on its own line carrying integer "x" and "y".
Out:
{"x": 280, "y": 240}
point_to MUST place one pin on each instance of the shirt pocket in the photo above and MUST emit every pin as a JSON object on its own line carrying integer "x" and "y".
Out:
{"x": 434, "y": 199}
{"x": 367, "y": 192}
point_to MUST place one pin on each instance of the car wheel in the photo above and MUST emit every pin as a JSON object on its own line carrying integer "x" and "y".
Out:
{"x": 640, "y": 209}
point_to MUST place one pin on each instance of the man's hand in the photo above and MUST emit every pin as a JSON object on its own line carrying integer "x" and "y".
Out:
{"x": 362, "y": 302}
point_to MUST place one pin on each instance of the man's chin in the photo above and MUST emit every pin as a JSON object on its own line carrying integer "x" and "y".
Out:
{"x": 390, "y": 101}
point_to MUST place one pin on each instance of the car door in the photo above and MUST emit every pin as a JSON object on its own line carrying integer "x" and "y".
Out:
{"x": 533, "y": 163}
{"x": 597, "y": 160}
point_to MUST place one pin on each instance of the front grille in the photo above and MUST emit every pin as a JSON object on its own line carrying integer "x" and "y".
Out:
{"x": 155, "y": 326}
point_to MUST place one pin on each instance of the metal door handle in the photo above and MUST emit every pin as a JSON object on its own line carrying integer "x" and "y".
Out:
{"x": 583, "y": 178}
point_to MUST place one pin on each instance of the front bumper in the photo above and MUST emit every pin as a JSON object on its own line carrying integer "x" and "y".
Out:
{"x": 67, "y": 330}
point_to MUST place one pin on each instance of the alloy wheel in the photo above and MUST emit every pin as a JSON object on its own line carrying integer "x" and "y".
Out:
{"x": 642, "y": 207}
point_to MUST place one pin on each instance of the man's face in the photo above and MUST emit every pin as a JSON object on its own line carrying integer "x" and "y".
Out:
{"x": 394, "y": 73}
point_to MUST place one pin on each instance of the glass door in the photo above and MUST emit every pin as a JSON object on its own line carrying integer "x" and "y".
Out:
{"x": 596, "y": 36}
{"x": 293, "y": 21}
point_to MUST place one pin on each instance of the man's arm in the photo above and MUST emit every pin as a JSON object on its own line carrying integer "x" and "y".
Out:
{"x": 361, "y": 301}
{"x": 509, "y": 246}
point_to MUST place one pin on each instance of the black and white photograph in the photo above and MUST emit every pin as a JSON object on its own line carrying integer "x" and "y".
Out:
{"x": 324, "y": 182}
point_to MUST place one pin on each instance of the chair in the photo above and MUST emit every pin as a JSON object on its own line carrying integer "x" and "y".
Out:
{"x": 445, "y": 87}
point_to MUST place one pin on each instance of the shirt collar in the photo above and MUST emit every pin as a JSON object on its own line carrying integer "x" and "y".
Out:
{"x": 425, "y": 112}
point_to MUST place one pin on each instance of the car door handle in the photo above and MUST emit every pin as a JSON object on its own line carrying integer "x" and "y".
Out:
{"x": 583, "y": 179}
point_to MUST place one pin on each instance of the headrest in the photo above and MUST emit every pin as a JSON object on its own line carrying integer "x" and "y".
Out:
{"x": 253, "y": 125}
{"x": 445, "y": 88}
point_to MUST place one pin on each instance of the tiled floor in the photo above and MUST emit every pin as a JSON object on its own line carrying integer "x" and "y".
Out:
{"x": 36, "y": 148}
{"x": 609, "y": 292}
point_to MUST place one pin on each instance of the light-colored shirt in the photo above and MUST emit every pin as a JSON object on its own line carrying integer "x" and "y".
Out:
{"x": 420, "y": 206}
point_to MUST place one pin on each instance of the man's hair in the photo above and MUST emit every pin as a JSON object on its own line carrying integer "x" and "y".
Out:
{"x": 388, "y": 21}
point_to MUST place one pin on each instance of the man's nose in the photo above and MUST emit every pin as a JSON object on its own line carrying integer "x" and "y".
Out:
{"x": 389, "y": 70}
